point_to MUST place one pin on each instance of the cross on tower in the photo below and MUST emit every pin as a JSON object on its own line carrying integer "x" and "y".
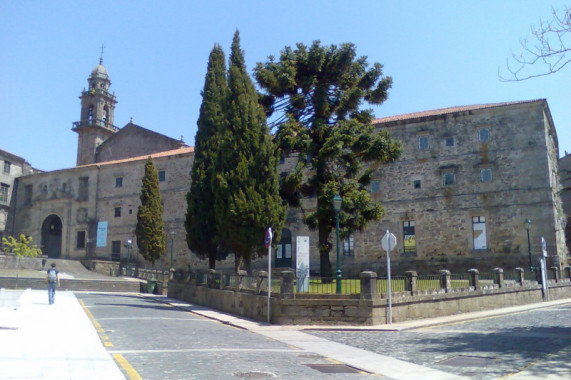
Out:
{"x": 101, "y": 56}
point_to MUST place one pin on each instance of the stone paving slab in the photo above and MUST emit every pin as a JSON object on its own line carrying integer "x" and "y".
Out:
{"x": 52, "y": 341}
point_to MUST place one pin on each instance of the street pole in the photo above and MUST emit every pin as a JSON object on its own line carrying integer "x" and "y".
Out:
{"x": 527, "y": 227}
{"x": 337, "y": 202}
{"x": 172, "y": 246}
{"x": 129, "y": 247}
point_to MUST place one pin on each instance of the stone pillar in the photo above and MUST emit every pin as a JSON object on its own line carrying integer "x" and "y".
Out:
{"x": 239, "y": 278}
{"x": 262, "y": 275}
{"x": 410, "y": 283}
{"x": 286, "y": 290}
{"x": 211, "y": 279}
{"x": 445, "y": 280}
{"x": 171, "y": 274}
{"x": 474, "y": 281}
{"x": 368, "y": 285}
{"x": 499, "y": 273}
{"x": 520, "y": 276}
{"x": 568, "y": 273}
{"x": 123, "y": 271}
{"x": 555, "y": 273}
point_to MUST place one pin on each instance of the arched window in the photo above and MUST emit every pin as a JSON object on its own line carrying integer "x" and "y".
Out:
{"x": 105, "y": 114}
{"x": 90, "y": 113}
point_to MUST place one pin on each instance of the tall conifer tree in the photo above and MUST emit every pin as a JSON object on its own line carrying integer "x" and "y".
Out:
{"x": 151, "y": 239}
{"x": 247, "y": 199}
{"x": 200, "y": 224}
{"x": 319, "y": 92}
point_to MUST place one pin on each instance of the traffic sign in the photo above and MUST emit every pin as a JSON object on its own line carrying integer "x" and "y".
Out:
{"x": 268, "y": 238}
{"x": 389, "y": 241}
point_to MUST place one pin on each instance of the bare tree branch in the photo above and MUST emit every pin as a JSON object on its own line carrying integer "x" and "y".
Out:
{"x": 549, "y": 51}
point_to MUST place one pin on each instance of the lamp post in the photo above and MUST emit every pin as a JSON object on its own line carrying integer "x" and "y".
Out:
{"x": 337, "y": 203}
{"x": 527, "y": 227}
{"x": 129, "y": 247}
{"x": 173, "y": 233}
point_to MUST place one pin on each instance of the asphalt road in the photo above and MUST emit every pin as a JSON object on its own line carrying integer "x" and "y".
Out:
{"x": 538, "y": 341}
{"x": 156, "y": 341}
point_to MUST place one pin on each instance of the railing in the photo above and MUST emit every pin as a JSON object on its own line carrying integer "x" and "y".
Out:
{"x": 94, "y": 122}
{"x": 428, "y": 282}
{"x": 368, "y": 284}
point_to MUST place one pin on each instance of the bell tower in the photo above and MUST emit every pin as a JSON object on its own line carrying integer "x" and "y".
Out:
{"x": 97, "y": 109}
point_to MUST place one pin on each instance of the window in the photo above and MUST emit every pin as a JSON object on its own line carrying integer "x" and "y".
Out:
{"x": 375, "y": 186}
{"x": 162, "y": 176}
{"x": 486, "y": 175}
{"x": 449, "y": 141}
{"x": 119, "y": 182}
{"x": 348, "y": 246}
{"x": 409, "y": 237}
{"x": 417, "y": 184}
{"x": 4, "y": 190}
{"x": 117, "y": 212}
{"x": 422, "y": 142}
{"x": 479, "y": 232}
{"x": 448, "y": 179}
{"x": 116, "y": 247}
{"x": 483, "y": 134}
{"x": 80, "y": 240}
{"x": 7, "y": 166}
{"x": 28, "y": 194}
{"x": 83, "y": 193}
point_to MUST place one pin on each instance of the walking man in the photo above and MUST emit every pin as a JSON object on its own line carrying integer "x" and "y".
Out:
{"x": 53, "y": 281}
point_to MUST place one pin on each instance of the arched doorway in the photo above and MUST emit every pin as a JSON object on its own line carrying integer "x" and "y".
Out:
{"x": 51, "y": 236}
{"x": 283, "y": 252}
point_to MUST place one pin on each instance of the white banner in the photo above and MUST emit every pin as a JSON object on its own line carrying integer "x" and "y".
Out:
{"x": 302, "y": 263}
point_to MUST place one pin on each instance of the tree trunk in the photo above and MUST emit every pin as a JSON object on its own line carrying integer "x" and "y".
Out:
{"x": 324, "y": 249}
{"x": 212, "y": 261}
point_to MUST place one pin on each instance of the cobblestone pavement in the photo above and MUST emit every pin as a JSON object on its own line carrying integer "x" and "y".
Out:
{"x": 490, "y": 348}
{"x": 158, "y": 341}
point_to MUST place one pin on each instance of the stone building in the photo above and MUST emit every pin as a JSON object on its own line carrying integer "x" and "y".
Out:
{"x": 457, "y": 198}
{"x": 565, "y": 177}
{"x": 12, "y": 166}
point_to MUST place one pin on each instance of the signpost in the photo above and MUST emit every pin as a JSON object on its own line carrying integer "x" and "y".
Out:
{"x": 389, "y": 242}
{"x": 543, "y": 263}
{"x": 302, "y": 263}
{"x": 268, "y": 245}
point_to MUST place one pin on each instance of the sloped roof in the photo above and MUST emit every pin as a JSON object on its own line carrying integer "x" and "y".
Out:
{"x": 448, "y": 110}
{"x": 166, "y": 153}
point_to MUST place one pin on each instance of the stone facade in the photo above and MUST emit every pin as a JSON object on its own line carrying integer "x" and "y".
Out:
{"x": 457, "y": 198}
{"x": 11, "y": 167}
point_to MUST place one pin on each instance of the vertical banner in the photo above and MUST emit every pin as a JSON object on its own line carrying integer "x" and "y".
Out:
{"x": 302, "y": 263}
{"x": 101, "y": 234}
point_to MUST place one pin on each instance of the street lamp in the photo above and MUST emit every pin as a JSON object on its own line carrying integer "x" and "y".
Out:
{"x": 173, "y": 233}
{"x": 129, "y": 247}
{"x": 527, "y": 227}
{"x": 337, "y": 203}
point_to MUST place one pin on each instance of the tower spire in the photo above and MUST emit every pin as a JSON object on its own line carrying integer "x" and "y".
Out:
{"x": 101, "y": 56}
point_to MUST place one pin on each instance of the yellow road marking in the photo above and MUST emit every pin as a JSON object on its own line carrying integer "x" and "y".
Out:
{"x": 129, "y": 370}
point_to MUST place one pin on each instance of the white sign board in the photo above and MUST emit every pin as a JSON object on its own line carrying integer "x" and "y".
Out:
{"x": 101, "y": 234}
{"x": 302, "y": 263}
{"x": 389, "y": 241}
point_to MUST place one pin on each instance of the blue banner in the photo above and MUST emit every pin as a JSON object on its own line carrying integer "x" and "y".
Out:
{"x": 101, "y": 234}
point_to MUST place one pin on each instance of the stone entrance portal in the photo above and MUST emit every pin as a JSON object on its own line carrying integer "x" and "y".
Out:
{"x": 51, "y": 236}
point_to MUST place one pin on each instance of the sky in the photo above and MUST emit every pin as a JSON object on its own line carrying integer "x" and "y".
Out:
{"x": 439, "y": 54}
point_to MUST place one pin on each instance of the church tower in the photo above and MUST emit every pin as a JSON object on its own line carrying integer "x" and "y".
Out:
{"x": 96, "y": 122}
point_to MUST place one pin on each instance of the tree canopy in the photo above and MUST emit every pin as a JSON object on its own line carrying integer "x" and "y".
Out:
{"x": 151, "y": 239}
{"x": 545, "y": 51}
{"x": 316, "y": 95}
{"x": 200, "y": 223}
{"x": 247, "y": 199}
{"x": 21, "y": 247}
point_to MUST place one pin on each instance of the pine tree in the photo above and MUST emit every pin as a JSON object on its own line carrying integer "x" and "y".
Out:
{"x": 151, "y": 239}
{"x": 318, "y": 92}
{"x": 247, "y": 199}
{"x": 200, "y": 223}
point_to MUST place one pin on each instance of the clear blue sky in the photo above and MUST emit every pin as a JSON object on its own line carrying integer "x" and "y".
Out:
{"x": 439, "y": 53}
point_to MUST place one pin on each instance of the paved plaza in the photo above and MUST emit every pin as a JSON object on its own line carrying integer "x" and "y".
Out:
{"x": 109, "y": 336}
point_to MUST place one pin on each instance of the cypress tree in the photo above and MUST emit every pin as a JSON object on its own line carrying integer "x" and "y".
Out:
{"x": 200, "y": 224}
{"x": 151, "y": 239}
{"x": 247, "y": 199}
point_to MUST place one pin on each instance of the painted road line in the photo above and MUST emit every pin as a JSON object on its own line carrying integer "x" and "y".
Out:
{"x": 131, "y": 373}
